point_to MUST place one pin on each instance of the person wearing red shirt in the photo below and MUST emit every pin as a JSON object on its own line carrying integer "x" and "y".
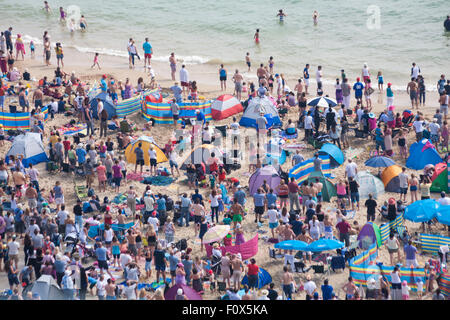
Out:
{"x": 293, "y": 194}
{"x": 213, "y": 163}
{"x": 344, "y": 231}
{"x": 66, "y": 144}
{"x": 252, "y": 274}
{"x": 222, "y": 175}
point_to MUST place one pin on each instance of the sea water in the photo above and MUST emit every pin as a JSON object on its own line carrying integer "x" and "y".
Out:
{"x": 387, "y": 35}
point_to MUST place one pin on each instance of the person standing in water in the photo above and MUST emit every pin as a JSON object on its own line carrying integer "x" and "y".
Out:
{"x": 173, "y": 65}
{"x": 256, "y": 36}
{"x": 148, "y": 51}
{"x": 223, "y": 78}
{"x": 46, "y": 7}
{"x": 315, "y": 17}
{"x": 281, "y": 14}
{"x": 447, "y": 24}
{"x": 83, "y": 23}
{"x": 247, "y": 61}
{"x": 62, "y": 14}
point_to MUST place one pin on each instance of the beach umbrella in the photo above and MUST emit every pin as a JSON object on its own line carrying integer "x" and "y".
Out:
{"x": 443, "y": 214}
{"x": 322, "y": 102}
{"x": 379, "y": 161}
{"x": 216, "y": 233}
{"x": 292, "y": 245}
{"x": 190, "y": 293}
{"x": 324, "y": 245}
{"x": 421, "y": 210}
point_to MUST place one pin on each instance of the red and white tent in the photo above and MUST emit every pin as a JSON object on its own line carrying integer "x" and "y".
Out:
{"x": 225, "y": 106}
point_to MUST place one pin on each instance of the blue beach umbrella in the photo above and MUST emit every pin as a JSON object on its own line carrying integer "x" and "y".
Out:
{"x": 421, "y": 210}
{"x": 443, "y": 214}
{"x": 322, "y": 102}
{"x": 291, "y": 245}
{"x": 324, "y": 245}
{"x": 379, "y": 161}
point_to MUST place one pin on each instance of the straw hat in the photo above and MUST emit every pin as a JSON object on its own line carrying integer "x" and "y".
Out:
{"x": 264, "y": 292}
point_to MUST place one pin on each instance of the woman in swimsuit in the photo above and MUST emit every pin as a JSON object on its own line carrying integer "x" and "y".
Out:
{"x": 20, "y": 47}
{"x": 413, "y": 184}
{"x": 271, "y": 65}
{"x": 256, "y": 36}
{"x": 173, "y": 65}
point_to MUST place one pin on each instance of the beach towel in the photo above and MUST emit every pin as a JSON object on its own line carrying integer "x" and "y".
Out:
{"x": 158, "y": 180}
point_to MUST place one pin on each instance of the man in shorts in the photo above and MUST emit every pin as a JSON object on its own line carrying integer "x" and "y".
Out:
{"x": 184, "y": 79}
{"x": 153, "y": 160}
{"x": 237, "y": 79}
{"x": 102, "y": 258}
{"x": 147, "y": 47}
{"x": 160, "y": 262}
{"x": 139, "y": 157}
{"x": 403, "y": 179}
{"x": 306, "y": 77}
{"x": 175, "y": 111}
{"x": 411, "y": 89}
{"x": 237, "y": 211}
{"x": 443, "y": 101}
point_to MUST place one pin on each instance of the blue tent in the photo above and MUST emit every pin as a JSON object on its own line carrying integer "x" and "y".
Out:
{"x": 108, "y": 104}
{"x": 418, "y": 159}
{"x": 336, "y": 156}
{"x": 264, "y": 278}
{"x": 254, "y": 109}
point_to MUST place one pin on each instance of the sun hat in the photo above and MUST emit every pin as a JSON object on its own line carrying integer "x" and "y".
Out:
{"x": 391, "y": 201}
{"x": 180, "y": 265}
{"x": 264, "y": 292}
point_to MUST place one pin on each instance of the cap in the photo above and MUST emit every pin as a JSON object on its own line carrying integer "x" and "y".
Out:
{"x": 371, "y": 115}
{"x": 108, "y": 208}
{"x": 389, "y": 84}
{"x": 197, "y": 111}
{"x": 239, "y": 187}
{"x": 391, "y": 201}
{"x": 404, "y": 283}
{"x": 276, "y": 75}
{"x": 180, "y": 265}
{"x": 180, "y": 292}
{"x": 149, "y": 192}
{"x": 104, "y": 76}
{"x": 357, "y": 79}
{"x": 316, "y": 294}
{"x": 154, "y": 213}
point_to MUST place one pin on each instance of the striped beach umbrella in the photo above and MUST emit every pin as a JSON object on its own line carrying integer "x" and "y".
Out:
{"x": 322, "y": 102}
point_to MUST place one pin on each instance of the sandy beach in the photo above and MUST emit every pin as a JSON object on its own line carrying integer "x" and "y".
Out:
{"x": 207, "y": 77}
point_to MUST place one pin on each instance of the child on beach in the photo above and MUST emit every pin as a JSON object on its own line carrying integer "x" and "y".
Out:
{"x": 62, "y": 14}
{"x": 247, "y": 60}
{"x": 315, "y": 17}
{"x": 194, "y": 94}
{"x": 32, "y": 49}
{"x": 96, "y": 62}
{"x": 245, "y": 89}
{"x": 380, "y": 81}
{"x": 405, "y": 290}
{"x": 271, "y": 65}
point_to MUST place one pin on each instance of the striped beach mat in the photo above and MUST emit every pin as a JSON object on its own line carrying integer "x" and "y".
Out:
{"x": 432, "y": 242}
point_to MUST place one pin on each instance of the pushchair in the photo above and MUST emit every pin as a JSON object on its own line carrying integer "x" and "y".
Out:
{"x": 407, "y": 118}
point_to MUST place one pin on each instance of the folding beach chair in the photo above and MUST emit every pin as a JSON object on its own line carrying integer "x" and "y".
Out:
{"x": 80, "y": 191}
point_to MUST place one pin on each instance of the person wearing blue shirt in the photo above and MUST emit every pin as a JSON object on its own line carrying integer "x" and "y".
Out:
{"x": 327, "y": 290}
{"x": 297, "y": 226}
{"x": 147, "y": 47}
{"x": 196, "y": 195}
{"x": 379, "y": 137}
{"x": 358, "y": 87}
{"x": 306, "y": 77}
{"x": 177, "y": 92}
{"x": 19, "y": 225}
{"x": 161, "y": 202}
{"x": 200, "y": 116}
{"x": 173, "y": 262}
{"x": 271, "y": 198}
{"x": 103, "y": 84}
{"x": 239, "y": 195}
{"x": 259, "y": 199}
{"x": 81, "y": 155}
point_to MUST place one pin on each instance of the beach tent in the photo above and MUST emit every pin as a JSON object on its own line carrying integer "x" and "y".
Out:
{"x": 264, "y": 278}
{"x": 108, "y": 105}
{"x": 368, "y": 183}
{"x": 255, "y": 107}
{"x": 30, "y": 146}
{"x": 390, "y": 178}
{"x": 201, "y": 154}
{"x": 146, "y": 143}
{"x": 422, "y": 153}
{"x": 46, "y": 287}
{"x": 328, "y": 190}
{"x": 190, "y": 293}
{"x": 225, "y": 106}
{"x": 275, "y": 154}
{"x": 268, "y": 173}
{"x": 440, "y": 178}
{"x": 369, "y": 234}
{"x": 336, "y": 156}
{"x": 153, "y": 96}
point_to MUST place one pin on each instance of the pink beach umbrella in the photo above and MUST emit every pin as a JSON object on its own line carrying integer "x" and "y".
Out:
{"x": 216, "y": 233}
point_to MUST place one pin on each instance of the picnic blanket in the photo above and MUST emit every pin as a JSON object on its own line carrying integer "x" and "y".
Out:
{"x": 70, "y": 130}
{"x": 158, "y": 180}
{"x": 247, "y": 249}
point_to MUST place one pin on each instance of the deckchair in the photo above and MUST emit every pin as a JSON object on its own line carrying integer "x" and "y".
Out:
{"x": 80, "y": 191}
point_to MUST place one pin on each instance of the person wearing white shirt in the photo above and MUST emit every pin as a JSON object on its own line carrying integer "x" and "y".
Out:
{"x": 99, "y": 108}
{"x": 444, "y": 200}
{"x": 13, "y": 251}
{"x": 359, "y": 113}
{"x": 308, "y": 125}
{"x": 273, "y": 216}
{"x": 403, "y": 179}
{"x": 184, "y": 79}
{"x": 54, "y": 107}
{"x": 310, "y": 287}
{"x": 351, "y": 169}
{"x": 130, "y": 290}
{"x": 319, "y": 77}
{"x": 418, "y": 128}
{"x": 235, "y": 132}
{"x": 125, "y": 259}
{"x": 434, "y": 130}
{"x": 154, "y": 221}
{"x": 153, "y": 160}
{"x": 415, "y": 71}
{"x": 101, "y": 287}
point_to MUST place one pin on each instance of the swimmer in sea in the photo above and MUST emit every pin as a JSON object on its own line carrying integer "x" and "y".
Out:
{"x": 62, "y": 14}
{"x": 83, "y": 23}
{"x": 281, "y": 14}
{"x": 315, "y": 17}
{"x": 256, "y": 36}
{"x": 46, "y": 7}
